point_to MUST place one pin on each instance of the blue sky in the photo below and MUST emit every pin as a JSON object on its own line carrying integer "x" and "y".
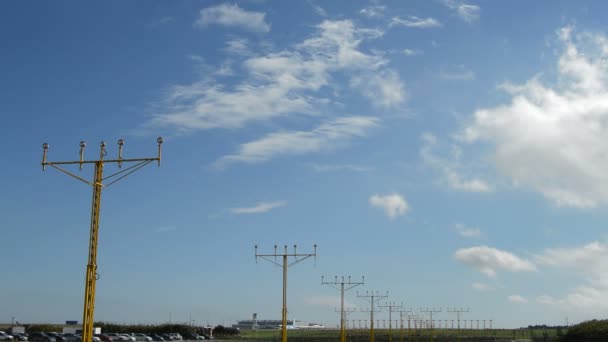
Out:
{"x": 452, "y": 152}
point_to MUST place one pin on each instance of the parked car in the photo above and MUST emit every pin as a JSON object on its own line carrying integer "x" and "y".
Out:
{"x": 5, "y": 337}
{"x": 175, "y": 336}
{"x": 129, "y": 337}
{"x": 142, "y": 337}
{"x": 41, "y": 337}
{"x": 70, "y": 337}
{"x": 104, "y": 337}
{"x": 156, "y": 337}
{"x": 58, "y": 337}
{"x": 118, "y": 337}
{"x": 20, "y": 337}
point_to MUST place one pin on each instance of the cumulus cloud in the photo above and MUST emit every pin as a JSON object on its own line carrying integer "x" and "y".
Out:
{"x": 450, "y": 167}
{"x": 415, "y": 22}
{"x": 465, "y": 231}
{"x": 465, "y": 11}
{"x": 589, "y": 261}
{"x": 258, "y": 208}
{"x": 324, "y": 137}
{"x": 517, "y": 299}
{"x": 393, "y": 205}
{"x": 232, "y": 16}
{"x": 552, "y": 138}
{"x": 489, "y": 261}
{"x": 284, "y": 83}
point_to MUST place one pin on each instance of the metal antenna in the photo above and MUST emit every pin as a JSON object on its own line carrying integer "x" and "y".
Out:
{"x": 392, "y": 307}
{"x": 97, "y": 184}
{"x": 458, "y": 311}
{"x": 344, "y": 285}
{"x": 285, "y": 265}
{"x": 431, "y": 311}
{"x": 372, "y": 298}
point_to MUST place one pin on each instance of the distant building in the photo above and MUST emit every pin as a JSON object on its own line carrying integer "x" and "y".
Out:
{"x": 254, "y": 324}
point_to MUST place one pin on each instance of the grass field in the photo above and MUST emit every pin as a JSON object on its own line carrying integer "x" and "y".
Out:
{"x": 398, "y": 335}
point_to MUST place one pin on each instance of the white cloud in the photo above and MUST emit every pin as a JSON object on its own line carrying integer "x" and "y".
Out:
{"x": 384, "y": 89}
{"x": 457, "y": 72}
{"x": 393, "y": 205}
{"x": 589, "y": 261}
{"x": 489, "y": 260}
{"x": 552, "y": 138}
{"x": 324, "y": 137}
{"x": 318, "y": 9}
{"x": 517, "y": 299}
{"x": 466, "y": 12}
{"x": 416, "y": 22}
{"x": 260, "y": 207}
{"x": 283, "y": 83}
{"x": 165, "y": 229}
{"x": 375, "y": 11}
{"x": 482, "y": 287}
{"x": 232, "y": 16}
{"x": 340, "y": 167}
{"x": 412, "y": 52}
{"x": 467, "y": 231}
{"x": 450, "y": 167}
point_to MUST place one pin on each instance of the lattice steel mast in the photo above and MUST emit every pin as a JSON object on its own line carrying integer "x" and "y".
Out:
{"x": 91, "y": 275}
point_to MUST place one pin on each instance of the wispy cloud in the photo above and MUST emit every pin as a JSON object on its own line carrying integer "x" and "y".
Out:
{"x": 450, "y": 167}
{"x": 552, "y": 138}
{"x": 318, "y": 9}
{"x": 165, "y": 229}
{"x": 340, "y": 167}
{"x": 324, "y": 137}
{"x": 517, "y": 299}
{"x": 465, "y": 231}
{"x": 465, "y": 11}
{"x": 482, "y": 287}
{"x": 374, "y": 11}
{"x": 412, "y": 52}
{"x": 258, "y": 208}
{"x": 282, "y": 83}
{"x": 489, "y": 261}
{"x": 415, "y": 22}
{"x": 393, "y": 205}
{"x": 232, "y": 16}
{"x": 457, "y": 72}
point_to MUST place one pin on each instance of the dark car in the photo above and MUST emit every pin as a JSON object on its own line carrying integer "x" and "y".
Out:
{"x": 156, "y": 337}
{"x": 58, "y": 337}
{"x": 41, "y": 337}
{"x": 104, "y": 337}
{"x": 20, "y": 337}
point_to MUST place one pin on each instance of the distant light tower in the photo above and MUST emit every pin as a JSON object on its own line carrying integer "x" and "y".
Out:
{"x": 345, "y": 285}
{"x": 91, "y": 275}
{"x": 373, "y": 298}
{"x": 431, "y": 311}
{"x": 285, "y": 265}
{"x": 392, "y": 307}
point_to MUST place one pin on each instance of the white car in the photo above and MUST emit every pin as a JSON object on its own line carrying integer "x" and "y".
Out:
{"x": 142, "y": 337}
{"x": 5, "y": 337}
{"x": 118, "y": 337}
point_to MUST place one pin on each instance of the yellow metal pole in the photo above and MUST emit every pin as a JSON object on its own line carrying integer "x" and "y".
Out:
{"x": 91, "y": 274}
{"x": 342, "y": 313}
{"x": 371, "y": 330}
{"x": 284, "y": 326}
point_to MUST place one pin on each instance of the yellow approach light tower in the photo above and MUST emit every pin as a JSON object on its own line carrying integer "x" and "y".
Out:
{"x": 97, "y": 184}
{"x": 345, "y": 285}
{"x": 284, "y": 265}
{"x": 373, "y": 298}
